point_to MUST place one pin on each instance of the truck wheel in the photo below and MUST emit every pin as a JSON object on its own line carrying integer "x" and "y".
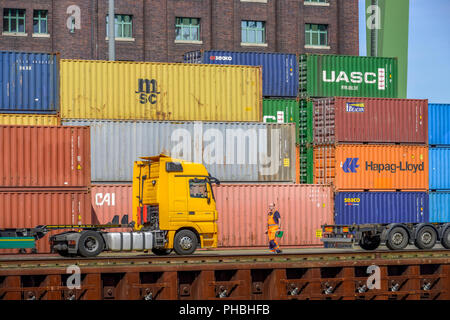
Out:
{"x": 369, "y": 243}
{"x": 398, "y": 239}
{"x": 161, "y": 252}
{"x": 185, "y": 242}
{"x": 445, "y": 241}
{"x": 426, "y": 238}
{"x": 90, "y": 244}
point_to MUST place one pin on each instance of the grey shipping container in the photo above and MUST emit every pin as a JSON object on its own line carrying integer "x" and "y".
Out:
{"x": 231, "y": 151}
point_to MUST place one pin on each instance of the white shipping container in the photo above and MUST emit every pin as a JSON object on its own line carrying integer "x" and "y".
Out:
{"x": 231, "y": 151}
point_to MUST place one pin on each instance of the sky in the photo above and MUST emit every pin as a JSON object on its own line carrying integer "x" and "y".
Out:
{"x": 429, "y": 49}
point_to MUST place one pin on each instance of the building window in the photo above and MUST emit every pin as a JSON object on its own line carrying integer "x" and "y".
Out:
{"x": 317, "y": 1}
{"x": 187, "y": 29}
{"x": 123, "y": 25}
{"x": 40, "y": 21}
{"x": 198, "y": 188}
{"x": 253, "y": 31}
{"x": 316, "y": 34}
{"x": 14, "y": 20}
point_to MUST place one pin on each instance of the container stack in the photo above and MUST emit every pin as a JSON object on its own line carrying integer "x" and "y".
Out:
{"x": 439, "y": 154}
{"x": 44, "y": 168}
{"x": 374, "y": 152}
{"x": 279, "y": 90}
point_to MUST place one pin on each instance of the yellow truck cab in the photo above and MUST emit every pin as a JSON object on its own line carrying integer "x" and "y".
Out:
{"x": 174, "y": 200}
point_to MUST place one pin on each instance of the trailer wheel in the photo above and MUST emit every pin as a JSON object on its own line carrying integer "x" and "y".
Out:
{"x": 398, "y": 239}
{"x": 90, "y": 244}
{"x": 185, "y": 242}
{"x": 161, "y": 252}
{"x": 369, "y": 243}
{"x": 426, "y": 238}
{"x": 445, "y": 241}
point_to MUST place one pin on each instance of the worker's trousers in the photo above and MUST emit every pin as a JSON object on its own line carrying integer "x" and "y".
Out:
{"x": 273, "y": 244}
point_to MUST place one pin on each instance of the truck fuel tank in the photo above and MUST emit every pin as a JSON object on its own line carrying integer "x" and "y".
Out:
{"x": 128, "y": 241}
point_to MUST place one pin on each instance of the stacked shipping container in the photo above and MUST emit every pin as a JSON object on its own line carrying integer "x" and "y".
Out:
{"x": 44, "y": 169}
{"x": 373, "y": 150}
{"x": 439, "y": 154}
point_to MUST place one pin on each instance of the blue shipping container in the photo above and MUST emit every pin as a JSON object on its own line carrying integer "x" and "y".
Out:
{"x": 439, "y": 206}
{"x": 439, "y": 159}
{"x": 29, "y": 82}
{"x": 439, "y": 124}
{"x": 279, "y": 70}
{"x": 380, "y": 207}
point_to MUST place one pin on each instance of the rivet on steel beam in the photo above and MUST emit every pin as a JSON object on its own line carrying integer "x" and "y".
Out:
{"x": 222, "y": 292}
{"x": 361, "y": 287}
{"x": 426, "y": 285}
{"x": 31, "y": 295}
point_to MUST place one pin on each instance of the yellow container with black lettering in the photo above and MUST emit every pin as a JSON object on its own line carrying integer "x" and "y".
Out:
{"x": 119, "y": 90}
{"x": 29, "y": 119}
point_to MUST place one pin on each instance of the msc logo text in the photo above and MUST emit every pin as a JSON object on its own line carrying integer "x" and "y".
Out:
{"x": 148, "y": 91}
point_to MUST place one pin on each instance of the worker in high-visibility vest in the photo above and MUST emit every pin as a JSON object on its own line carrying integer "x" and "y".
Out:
{"x": 273, "y": 225}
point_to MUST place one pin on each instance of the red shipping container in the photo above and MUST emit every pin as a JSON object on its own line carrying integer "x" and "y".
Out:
{"x": 242, "y": 210}
{"x": 44, "y": 157}
{"x": 372, "y": 120}
{"x": 28, "y": 209}
{"x": 109, "y": 200}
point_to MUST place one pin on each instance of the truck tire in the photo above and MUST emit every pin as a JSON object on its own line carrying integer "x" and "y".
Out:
{"x": 426, "y": 238}
{"x": 445, "y": 241}
{"x": 398, "y": 239}
{"x": 90, "y": 244}
{"x": 185, "y": 242}
{"x": 161, "y": 252}
{"x": 369, "y": 243}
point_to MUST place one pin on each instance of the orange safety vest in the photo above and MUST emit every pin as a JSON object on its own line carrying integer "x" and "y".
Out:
{"x": 270, "y": 221}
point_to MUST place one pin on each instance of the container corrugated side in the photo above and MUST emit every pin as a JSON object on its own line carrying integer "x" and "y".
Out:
{"x": 29, "y": 119}
{"x": 440, "y": 206}
{"x": 231, "y": 151}
{"x": 28, "y": 209}
{"x": 279, "y": 70}
{"x": 347, "y": 76}
{"x": 439, "y": 124}
{"x": 380, "y": 207}
{"x": 282, "y": 111}
{"x": 159, "y": 91}
{"x": 29, "y": 82}
{"x": 439, "y": 168}
{"x": 44, "y": 156}
{"x": 109, "y": 200}
{"x": 373, "y": 120}
{"x": 242, "y": 210}
{"x": 372, "y": 167}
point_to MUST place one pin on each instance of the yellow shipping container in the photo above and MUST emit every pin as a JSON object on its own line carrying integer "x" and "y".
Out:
{"x": 29, "y": 119}
{"x": 160, "y": 91}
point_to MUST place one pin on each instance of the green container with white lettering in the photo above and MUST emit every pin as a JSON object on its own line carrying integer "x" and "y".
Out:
{"x": 347, "y": 76}
{"x": 282, "y": 111}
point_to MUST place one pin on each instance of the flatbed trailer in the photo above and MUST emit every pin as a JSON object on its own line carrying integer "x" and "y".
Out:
{"x": 396, "y": 236}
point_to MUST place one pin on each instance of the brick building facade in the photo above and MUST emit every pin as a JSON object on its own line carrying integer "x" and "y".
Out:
{"x": 77, "y": 28}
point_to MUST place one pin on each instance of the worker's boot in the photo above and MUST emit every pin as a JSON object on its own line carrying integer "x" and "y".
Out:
{"x": 279, "y": 251}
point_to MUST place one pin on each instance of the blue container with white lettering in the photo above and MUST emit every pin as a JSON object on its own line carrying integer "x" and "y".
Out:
{"x": 381, "y": 207}
{"x": 279, "y": 70}
{"x": 29, "y": 82}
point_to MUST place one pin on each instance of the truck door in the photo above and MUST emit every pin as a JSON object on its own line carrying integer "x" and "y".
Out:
{"x": 200, "y": 206}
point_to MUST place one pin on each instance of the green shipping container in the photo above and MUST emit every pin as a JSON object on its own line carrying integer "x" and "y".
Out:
{"x": 348, "y": 76}
{"x": 306, "y": 164}
{"x": 282, "y": 111}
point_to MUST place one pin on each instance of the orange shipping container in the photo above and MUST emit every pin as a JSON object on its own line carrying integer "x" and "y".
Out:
{"x": 28, "y": 209}
{"x": 372, "y": 167}
{"x": 242, "y": 210}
